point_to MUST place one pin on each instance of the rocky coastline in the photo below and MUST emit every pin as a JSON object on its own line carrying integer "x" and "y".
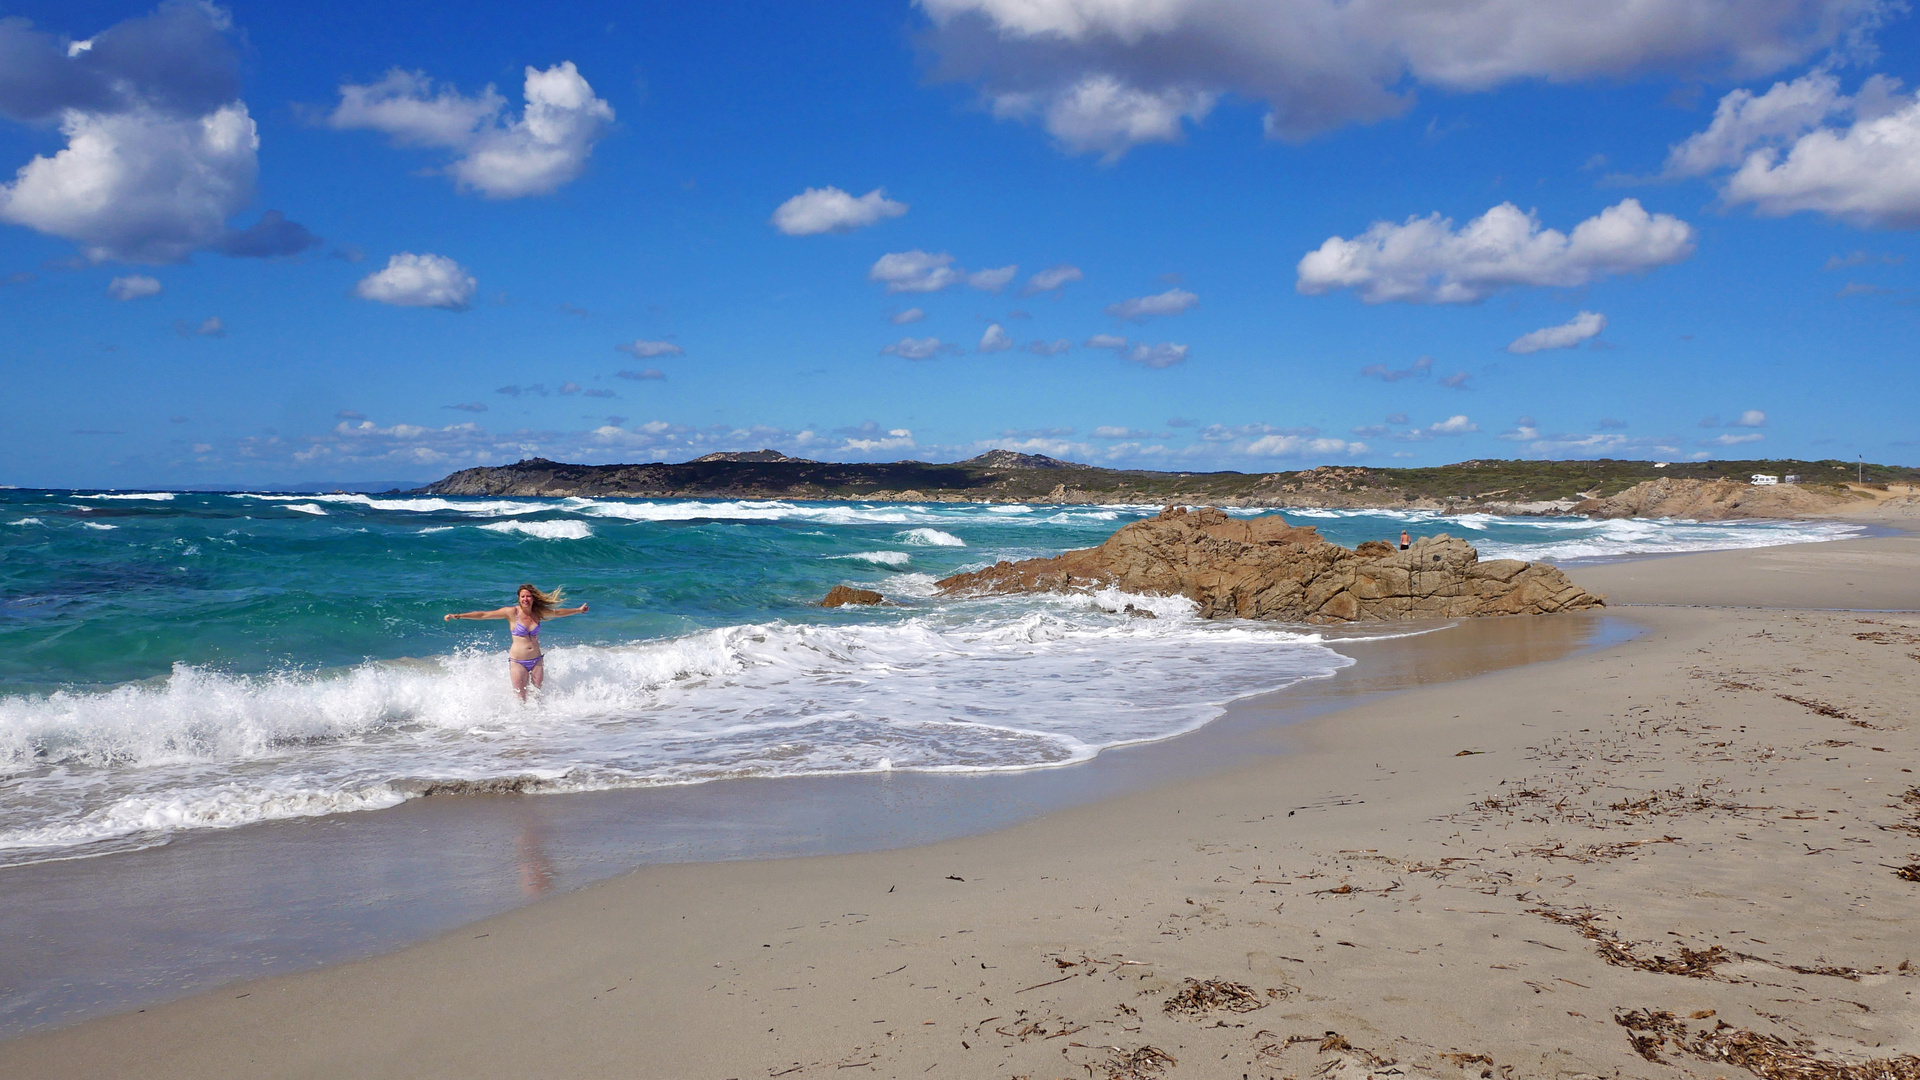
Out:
{"x": 1701, "y": 491}
{"x": 1265, "y": 568}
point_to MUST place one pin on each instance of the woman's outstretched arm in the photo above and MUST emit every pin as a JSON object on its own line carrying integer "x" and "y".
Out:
{"x": 496, "y": 613}
{"x": 557, "y": 612}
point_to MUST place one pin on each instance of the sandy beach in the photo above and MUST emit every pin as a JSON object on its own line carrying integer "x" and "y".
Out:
{"x": 1693, "y": 853}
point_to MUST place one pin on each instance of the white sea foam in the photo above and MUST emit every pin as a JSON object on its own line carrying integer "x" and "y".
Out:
{"x": 149, "y": 496}
{"x": 930, "y": 538}
{"x": 307, "y": 508}
{"x": 1561, "y": 539}
{"x": 991, "y": 685}
{"x": 26, "y": 521}
{"x": 97, "y": 525}
{"x": 544, "y": 530}
{"x": 880, "y": 558}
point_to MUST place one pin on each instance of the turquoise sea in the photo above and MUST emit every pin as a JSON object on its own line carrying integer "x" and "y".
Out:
{"x": 179, "y": 661}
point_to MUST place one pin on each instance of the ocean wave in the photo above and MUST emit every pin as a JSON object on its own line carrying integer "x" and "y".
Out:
{"x": 306, "y": 508}
{"x": 879, "y": 558}
{"x": 1560, "y": 540}
{"x": 930, "y": 538}
{"x": 97, "y": 525}
{"x": 26, "y": 521}
{"x": 542, "y": 530}
{"x": 149, "y": 496}
{"x": 1009, "y": 685}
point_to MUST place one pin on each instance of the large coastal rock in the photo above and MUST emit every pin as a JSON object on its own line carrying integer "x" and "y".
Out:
{"x": 1719, "y": 500}
{"x": 1264, "y": 568}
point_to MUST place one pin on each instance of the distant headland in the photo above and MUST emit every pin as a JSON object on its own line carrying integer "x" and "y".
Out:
{"x": 1605, "y": 487}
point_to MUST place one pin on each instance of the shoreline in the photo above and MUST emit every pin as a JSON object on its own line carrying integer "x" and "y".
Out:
{"x": 1085, "y": 920}
{"x": 342, "y": 887}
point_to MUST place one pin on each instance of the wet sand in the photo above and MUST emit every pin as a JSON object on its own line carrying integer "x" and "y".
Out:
{"x": 1682, "y": 854}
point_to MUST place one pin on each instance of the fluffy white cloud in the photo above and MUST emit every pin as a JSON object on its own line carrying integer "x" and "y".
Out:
{"x": 133, "y": 287}
{"x": 995, "y": 340}
{"x": 1581, "y": 327}
{"x": 1750, "y": 418}
{"x": 1733, "y": 440}
{"x": 1055, "y": 347}
{"x": 911, "y": 315}
{"x": 1453, "y": 425}
{"x": 1427, "y": 261}
{"x": 914, "y": 271}
{"x": 828, "y": 209}
{"x": 1106, "y": 341}
{"x": 139, "y": 186}
{"x": 1786, "y": 158}
{"x": 1867, "y": 174}
{"x": 500, "y": 157}
{"x": 1171, "y": 302}
{"x": 1303, "y": 446}
{"x": 160, "y": 149}
{"x": 908, "y": 348}
{"x": 1106, "y": 75}
{"x": 1099, "y": 114}
{"x": 644, "y": 349}
{"x": 1164, "y": 355}
{"x": 1052, "y": 279}
{"x": 992, "y": 280}
{"x": 411, "y": 280}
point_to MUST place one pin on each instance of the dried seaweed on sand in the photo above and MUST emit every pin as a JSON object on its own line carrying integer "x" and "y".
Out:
{"x": 1767, "y": 1056}
{"x": 1197, "y": 998}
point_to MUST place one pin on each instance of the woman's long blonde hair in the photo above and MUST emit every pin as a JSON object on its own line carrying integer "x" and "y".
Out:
{"x": 543, "y": 602}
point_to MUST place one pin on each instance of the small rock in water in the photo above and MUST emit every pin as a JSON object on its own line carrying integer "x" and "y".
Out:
{"x": 1138, "y": 613}
{"x": 841, "y": 595}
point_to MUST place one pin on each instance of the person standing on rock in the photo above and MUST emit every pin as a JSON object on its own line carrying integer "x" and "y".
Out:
{"x": 1406, "y": 541}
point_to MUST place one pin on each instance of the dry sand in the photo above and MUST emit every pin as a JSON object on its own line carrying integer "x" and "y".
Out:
{"x": 1680, "y": 856}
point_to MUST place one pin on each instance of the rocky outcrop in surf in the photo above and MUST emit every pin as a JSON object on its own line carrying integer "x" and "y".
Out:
{"x": 842, "y": 595}
{"x": 1265, "y": 568}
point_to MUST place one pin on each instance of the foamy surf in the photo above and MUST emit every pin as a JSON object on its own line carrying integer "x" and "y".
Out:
{"x": 1003, "y": 686}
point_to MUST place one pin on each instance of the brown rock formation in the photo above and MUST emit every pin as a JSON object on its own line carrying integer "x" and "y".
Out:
{"x": 842, "y": 595}
{"x": 1264, "y": 568}
{"x": 1718, "y": 500}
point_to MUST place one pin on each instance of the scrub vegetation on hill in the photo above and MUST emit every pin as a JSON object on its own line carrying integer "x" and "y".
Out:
{"x": 1004, "y": 476}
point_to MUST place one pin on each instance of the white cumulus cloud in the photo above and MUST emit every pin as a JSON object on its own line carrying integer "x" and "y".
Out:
{"x": 411, "y": 280}
{"x": 992, "y": 280}
{"x": 1426, "y": 260}
{"x": 1105, "y": 341}
{"x": 995, "y": 340}
{"x": 1056, "y": 347}
{"x": 1785, "y": 156}
{"x": 1581, "y": 327}
{"x": 133, "y": 287}
{"x": 1453, "y": 425}
{"x": 1171, "y": 302}
{"x": 911, "y": 315}
{"x": 914, "y": 271}
{"x": 828, "y": 209}
{"x": 1103, "y": 76}
{"x": 501, "y": 157}
{"x": 160, "y": 150}
{"x": 1750, "y": 418}
{"x": 1052, "y": 279}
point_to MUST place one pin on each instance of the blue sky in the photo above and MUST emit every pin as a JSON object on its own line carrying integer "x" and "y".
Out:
{"x": 258, "y": 244}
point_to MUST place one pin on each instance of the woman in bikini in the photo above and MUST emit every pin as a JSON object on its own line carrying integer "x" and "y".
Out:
{"x": 523, "y": 656}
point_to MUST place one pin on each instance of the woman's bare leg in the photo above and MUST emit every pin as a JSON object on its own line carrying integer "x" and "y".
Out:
{"x": 519, "y": 676}
{"x": 539, "y": 675}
